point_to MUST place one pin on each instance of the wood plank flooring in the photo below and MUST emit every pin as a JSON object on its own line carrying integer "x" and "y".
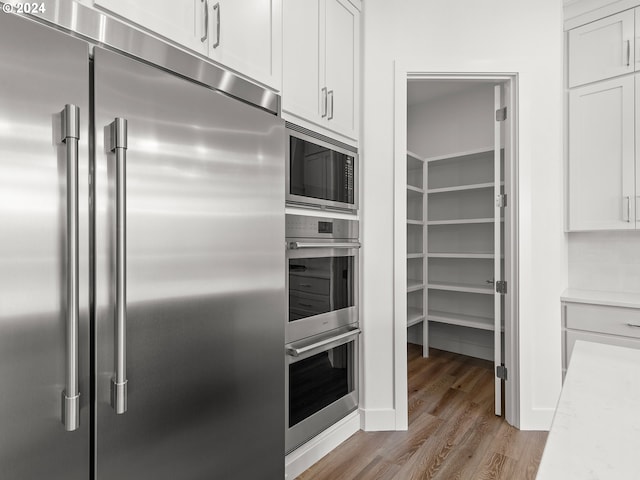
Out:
{"x": 453, "y": 432}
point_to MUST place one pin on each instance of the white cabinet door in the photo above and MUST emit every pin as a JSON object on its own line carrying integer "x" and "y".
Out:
{"x": 602, "y": 49}
{"x": 245, "y": 35}
{"x": 601, "y": 156}
{"x": 637, "y": 42}
{"x": 342, "y": 35}
{"x": 179, "y": 20}
{"x": 303, "y": 58}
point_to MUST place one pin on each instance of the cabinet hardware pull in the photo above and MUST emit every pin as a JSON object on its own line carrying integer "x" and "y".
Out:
{"x": 118, "y": 145}
{"x": 305, "y": 285}
{"x": 216, "y": 7}
{"x": 70, "y": 136}
{"x": 324, "y": 101}
{"x": 204, "y": 37}
{"x": 330, "y": 94}
{"x": 628, "y": 208}
{"x": 628, "y": 52}
{"x": 635, "y": 325}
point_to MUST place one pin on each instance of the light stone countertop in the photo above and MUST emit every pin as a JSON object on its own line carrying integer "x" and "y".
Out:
{"x": 597, "y": 297}
{"x": 596, "y": 428}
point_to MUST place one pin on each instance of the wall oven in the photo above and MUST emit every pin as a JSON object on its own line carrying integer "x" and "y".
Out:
{"x": 322, "y": 280}
{"x": 320, "y": 172}
{"x": 321, "y": 350}
{"x": 321, "y": 378}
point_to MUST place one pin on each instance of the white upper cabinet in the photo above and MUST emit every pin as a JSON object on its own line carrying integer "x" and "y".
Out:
{"x": 601, "y": 156}
{"x": 181, "y": 21}
{"x": 242, "y": 35}
{"x": 303, "y": 47}
{"x": 321, "y": 54}
{"x": 602, "y": 49}
{"x": 245, "y": 35}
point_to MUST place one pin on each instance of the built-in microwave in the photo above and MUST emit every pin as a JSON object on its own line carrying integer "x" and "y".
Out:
{"x": 320, "y": 172}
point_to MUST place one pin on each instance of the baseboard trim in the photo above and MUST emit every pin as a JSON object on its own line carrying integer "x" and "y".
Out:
{"x": 378, "y": 420}
{"x": 306, "y": 455}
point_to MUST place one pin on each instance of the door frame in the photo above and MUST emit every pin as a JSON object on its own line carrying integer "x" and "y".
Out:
{"x": 404, "y": 73}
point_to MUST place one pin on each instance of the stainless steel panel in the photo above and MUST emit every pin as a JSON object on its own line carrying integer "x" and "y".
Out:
{"x": 104, "y": 30}
{"x": 321, "y": 140}
{"x": 41, "y": 71}
{"x": 305, "y": 227}
{"x": 316, "y": 324}
{"x": 311, "y": 426}
{"x": 205, "y": 300}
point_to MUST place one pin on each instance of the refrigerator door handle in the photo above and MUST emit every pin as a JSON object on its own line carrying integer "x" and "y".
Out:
{"x": 69, "y": 135}
{"x": 118, "y": 145}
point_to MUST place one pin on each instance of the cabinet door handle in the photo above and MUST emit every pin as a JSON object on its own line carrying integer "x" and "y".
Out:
{"x": 634, "y": 325}
{"x": 324, "y": 101}
{"x": 205, "y": 35}
{"x": 628, "y": 198}
{"x": 628, "y": 52}
{"x": 70, "y": 135}
{"x": 118, "y": 145}
{"x": 330, "y": 94}
{"x": 216, "y": 7}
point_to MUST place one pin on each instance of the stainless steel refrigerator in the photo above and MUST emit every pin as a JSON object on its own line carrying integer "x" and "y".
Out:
{"x": 141, "y": 261}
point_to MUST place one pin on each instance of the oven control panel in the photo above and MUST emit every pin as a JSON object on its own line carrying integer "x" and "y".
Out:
{"x": 304, "y": 226}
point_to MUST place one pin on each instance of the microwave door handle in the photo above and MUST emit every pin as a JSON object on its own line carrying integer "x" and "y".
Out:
{"x": 296, "y": 352}
{"x": 297, "y": 245}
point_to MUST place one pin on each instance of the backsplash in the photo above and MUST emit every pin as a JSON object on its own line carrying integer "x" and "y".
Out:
{"x": 607, "y": 261}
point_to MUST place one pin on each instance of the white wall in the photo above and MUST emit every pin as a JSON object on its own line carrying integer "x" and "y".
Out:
{"x": 469, "y": 36}
{"x": 457, "y": 122}
{"x": 608, "y": 261}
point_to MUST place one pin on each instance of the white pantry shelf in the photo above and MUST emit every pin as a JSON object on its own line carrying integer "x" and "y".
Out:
{"x": 414, "y": 316}
{"x": 450, "y": 318}
{"x": 461, "y": 287}
{"x": 461, "y": 221}
{"x": 460, "y": 155}
{"x": 460, "y": 255}
{"x": 460, "y": 188}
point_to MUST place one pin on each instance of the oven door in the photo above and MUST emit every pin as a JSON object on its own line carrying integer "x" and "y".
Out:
{"x": 321, "y": 378}
{"x": 323, "y": 287}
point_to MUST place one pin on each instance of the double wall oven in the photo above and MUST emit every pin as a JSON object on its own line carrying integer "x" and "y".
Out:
{"x": 322, "y": 324}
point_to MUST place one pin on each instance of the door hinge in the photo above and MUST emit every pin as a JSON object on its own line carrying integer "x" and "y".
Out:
{"x": 501, "y": 200}
{"x": 501, "y": 287}
{"x": 501, "y": 372}
{"x": 501, "y": 114}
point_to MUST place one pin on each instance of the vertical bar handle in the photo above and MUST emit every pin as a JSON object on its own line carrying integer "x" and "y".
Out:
{"x": 628, "y": 52}
{"x": 205, "y": 35}
{"x": 628, "y": 198}
{"x": 324, "y": 101}
{"x": 330, "y": 94}
{"x": 118, "y": 145}
{"x": 216, "y": 7}
{"x": 69, "y": 135}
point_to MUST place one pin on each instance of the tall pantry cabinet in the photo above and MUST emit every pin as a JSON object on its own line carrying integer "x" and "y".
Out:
{"x": 604, "y": 95}
{"x": 455, "y": 227}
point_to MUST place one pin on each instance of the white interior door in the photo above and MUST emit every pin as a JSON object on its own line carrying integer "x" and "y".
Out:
{"x": 498, "y": 244}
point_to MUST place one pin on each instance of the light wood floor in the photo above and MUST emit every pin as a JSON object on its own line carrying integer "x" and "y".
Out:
{"x": 453, "y": 433}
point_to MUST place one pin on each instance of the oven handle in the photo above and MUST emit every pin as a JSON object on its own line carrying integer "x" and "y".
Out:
{"x": 297, "y": 245}
{"x": 296, "y": 352}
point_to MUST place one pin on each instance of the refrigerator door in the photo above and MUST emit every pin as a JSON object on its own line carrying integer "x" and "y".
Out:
{"x": 41, "y": 71}
{"x": 204, "y": 268}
